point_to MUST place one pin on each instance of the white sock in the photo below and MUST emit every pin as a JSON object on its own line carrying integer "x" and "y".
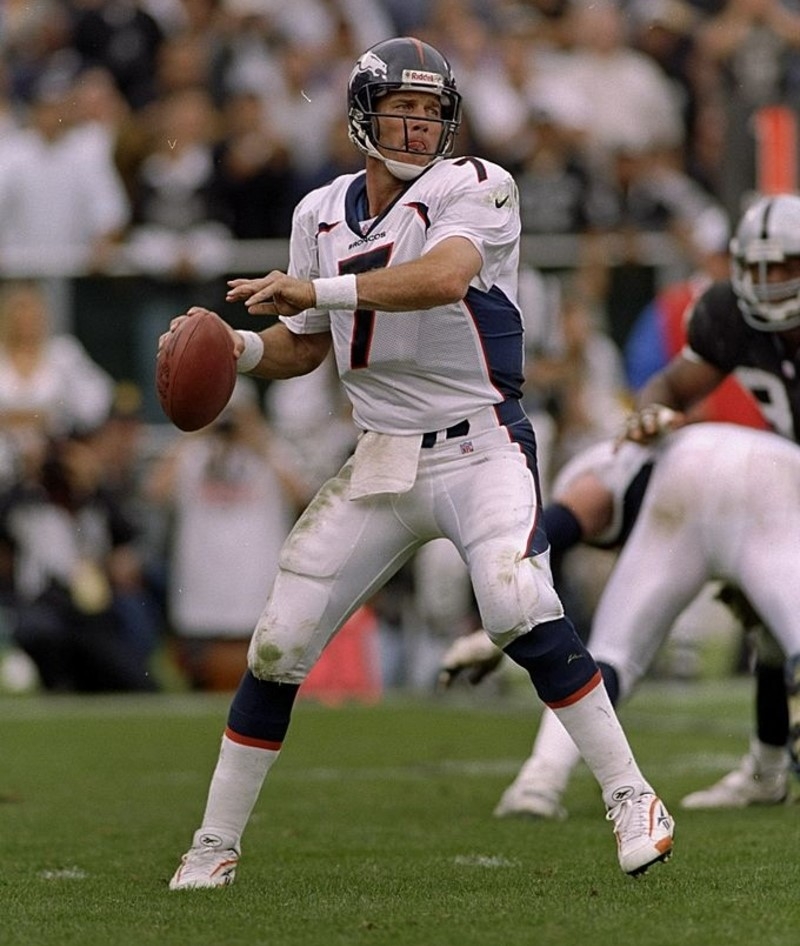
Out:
{"x": 594, "y": 727}
{"x": 770, "y": 760}
{"x": 234, "y": 790}
{"x": 554, "y": 756}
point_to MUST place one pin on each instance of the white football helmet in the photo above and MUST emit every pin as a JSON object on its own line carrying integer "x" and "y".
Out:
{"x": 769, "y": 232}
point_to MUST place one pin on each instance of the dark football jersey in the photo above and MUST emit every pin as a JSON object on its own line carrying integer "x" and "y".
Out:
{"x": 718, "y": 333}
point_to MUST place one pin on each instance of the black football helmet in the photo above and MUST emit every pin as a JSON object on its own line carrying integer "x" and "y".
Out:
{"x": 769, "y": 232}
{"x": 394, "y": 65}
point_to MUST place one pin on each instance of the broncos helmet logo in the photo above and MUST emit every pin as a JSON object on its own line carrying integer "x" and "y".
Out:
{"x": 371, "y": 64}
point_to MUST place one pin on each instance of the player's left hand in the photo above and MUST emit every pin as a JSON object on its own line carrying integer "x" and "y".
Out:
{"x": 178, "y": 320}
{"x": 273, "y": 294}
{"x": 473, "y": 654}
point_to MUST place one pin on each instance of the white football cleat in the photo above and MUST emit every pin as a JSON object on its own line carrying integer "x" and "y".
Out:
{"x": 529, "y": 800}
{"x": 748, "y": 784}
{"x": 644, "y": 830}
{"x": 210, "y": 862}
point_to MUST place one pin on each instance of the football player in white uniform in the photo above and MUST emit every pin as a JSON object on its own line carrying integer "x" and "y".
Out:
{"x": 409, "y": 270}
{"x": 749, "y": 326}
{"x": 721, "y": 503}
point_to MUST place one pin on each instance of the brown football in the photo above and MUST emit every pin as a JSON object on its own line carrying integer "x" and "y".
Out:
{"x": 196, "y": 372}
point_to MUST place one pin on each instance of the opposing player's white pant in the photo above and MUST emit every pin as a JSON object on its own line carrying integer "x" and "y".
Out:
{"x": 476, "y": 490}
{"x": 722, "y": 504}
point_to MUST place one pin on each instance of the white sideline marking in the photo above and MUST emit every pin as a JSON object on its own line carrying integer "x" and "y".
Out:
{"x": 415, "y": 772}
{"x": 481, "y": 768}
{"x": 472, "y": 768}
{"x": 66, "y": 873}
{"x": 483, "y": 860}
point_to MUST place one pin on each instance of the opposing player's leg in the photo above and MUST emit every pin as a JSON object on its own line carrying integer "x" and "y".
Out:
{"x": 520, "y": 610}
{"x": 767, "y": 600}
{"x": 538, "y": 788}
{"x": 338, "y": 554}
{"x": 634, "y": 615}
{"x": 761, "y": 776}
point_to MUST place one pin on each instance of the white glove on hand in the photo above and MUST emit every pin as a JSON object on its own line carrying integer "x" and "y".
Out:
{"x": 473, "y": 653}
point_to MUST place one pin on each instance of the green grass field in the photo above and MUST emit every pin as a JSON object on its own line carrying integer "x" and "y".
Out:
{"x": 375, "y": 828}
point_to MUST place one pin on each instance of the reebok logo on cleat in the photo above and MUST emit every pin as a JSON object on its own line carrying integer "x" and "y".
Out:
{"x": 211, "y": 840}
{"x": 622, "y": 794}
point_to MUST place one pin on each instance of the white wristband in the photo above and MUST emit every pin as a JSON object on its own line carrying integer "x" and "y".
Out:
{"x": 253, "y": 351}
{"x": 338, "y": 292}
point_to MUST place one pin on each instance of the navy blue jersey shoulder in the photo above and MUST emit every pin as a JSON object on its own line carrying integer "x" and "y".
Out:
{"x": 719, "y": 334}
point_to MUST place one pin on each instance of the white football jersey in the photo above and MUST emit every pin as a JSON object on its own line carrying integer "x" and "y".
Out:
{"x": 412, "y": 372}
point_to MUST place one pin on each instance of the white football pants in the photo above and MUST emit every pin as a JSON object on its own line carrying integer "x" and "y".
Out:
{"x": 723, "y": 503}
{"x": 475, "y": 490}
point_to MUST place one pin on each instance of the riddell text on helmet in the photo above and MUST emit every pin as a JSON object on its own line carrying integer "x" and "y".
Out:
{"x": 418, "y": 77}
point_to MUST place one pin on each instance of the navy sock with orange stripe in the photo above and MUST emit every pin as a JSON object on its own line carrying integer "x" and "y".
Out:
{"x": 261, "y": 709}
{"x": 556, "y": 659}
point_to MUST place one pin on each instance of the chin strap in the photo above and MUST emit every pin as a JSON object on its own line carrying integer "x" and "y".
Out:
{"x": 406, "y": 172}
{"x": 402, "y": 170}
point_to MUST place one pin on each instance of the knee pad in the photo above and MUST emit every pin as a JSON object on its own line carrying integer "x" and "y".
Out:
{"x": 513, "y": 593}
{"x": 288, "y": 638}
{"x": 261, "y": 710}
{"x": 559, "y": 665}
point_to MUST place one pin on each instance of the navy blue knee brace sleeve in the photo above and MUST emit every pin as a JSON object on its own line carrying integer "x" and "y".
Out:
{"x": 556, "y": 659}
{"x": 261, "y": 709}
{"x": 611, "y": 681}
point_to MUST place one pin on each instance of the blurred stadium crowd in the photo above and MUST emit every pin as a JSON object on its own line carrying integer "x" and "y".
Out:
{"x": 154, "y": 139}
{"x": 214, "y": 116}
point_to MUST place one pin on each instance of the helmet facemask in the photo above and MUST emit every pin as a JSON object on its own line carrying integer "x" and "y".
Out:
{"x": 767, "y": 236}
{"x": 373, "y": 115}
{"x": 767, "y": 305}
